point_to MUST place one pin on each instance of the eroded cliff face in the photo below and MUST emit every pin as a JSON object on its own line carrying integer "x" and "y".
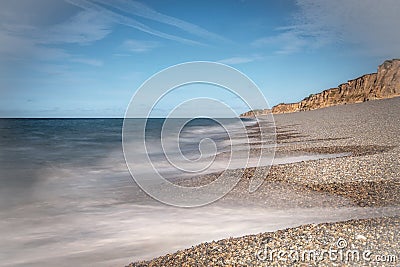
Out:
{"x": 253, "y": 113}
{"x": 383, "y": 84}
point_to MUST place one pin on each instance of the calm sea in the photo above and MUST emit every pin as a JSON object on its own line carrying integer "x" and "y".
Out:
{"x": 67, "y": 198}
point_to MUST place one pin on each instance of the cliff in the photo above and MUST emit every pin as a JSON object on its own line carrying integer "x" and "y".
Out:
{"x": 256, "y": 112}
{"x": 383, "y": 84}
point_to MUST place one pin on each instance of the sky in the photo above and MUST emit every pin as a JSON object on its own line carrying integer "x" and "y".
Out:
{"x": 87, "y": 58}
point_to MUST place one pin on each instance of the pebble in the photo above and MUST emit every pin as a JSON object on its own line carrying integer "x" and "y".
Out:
{"x": 369, "y": 176}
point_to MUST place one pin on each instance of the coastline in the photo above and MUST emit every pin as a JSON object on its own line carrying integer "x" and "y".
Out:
{"x": 369, "y": 176}
{"x": 371, "y": 240}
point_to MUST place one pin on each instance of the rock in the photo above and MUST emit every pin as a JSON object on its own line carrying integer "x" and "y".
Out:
{"x": 383, "y": 84}
{"x": 360, "y": 237}
{"x": 257, "y": 112}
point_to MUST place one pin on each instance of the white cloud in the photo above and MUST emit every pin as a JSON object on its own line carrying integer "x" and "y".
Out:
{"x": 287, "y": 42}
{"x": 35, "y": 37}
{"x": 142, "y": 10}
{"x": 84, "y": 27}
{"x": 239, "y": 60}
{"x": 127, "y": 21}
{"x": 88, "y": 61}
{"x": 139, "y": 46}
{"x": 31, "y": 30}
{"x": 16, "y": 47}
{"x": 371, "y": 26}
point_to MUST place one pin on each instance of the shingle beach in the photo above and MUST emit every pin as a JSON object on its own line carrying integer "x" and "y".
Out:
{"x": 368, "y": 175}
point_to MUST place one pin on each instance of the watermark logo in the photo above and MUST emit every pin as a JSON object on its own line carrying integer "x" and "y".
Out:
{"x": 138, "y": 147}
{"x": 339, "y": 251}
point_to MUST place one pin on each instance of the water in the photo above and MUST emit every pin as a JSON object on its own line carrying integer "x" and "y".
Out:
{"x": 67, "y": 198}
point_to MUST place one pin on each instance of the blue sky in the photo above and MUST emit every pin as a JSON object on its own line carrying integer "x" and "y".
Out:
{"x": 86, "y": 58}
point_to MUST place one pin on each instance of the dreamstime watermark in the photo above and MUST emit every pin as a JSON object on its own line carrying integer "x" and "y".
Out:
{"x": 136, "y": 145}
{"x": 340, "y": 251}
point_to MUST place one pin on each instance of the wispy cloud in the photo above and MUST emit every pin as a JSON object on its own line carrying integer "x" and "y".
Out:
{"x": 139, "y": 46}
{"x": 368, "y": 25}
{"x": 286, "y": 42}
{"x": 88, "y": 61}
{"x": 25, "y": 42}
{"x": 127, "y": 21}
{"x": 18, "y": 46}
{"x": 142, "y": 10}
{"x": 22, "y": 48}
{"x": 240, "y": 60}
{"x": 84, "y": 27}
{"x": 28, "y": 37}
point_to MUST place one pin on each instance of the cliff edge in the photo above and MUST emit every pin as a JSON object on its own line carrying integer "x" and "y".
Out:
{"x": 383, "y": 84}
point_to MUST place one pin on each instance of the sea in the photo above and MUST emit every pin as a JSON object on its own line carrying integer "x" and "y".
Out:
{"x": 67, "y": 196}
